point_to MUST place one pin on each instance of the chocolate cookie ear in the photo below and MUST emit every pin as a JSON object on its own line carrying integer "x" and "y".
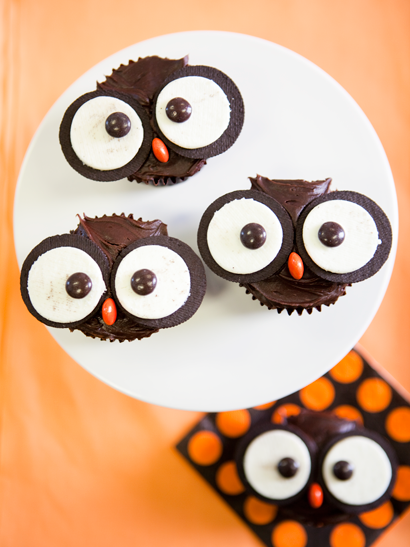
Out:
{"x": 64, "y": 280}
{"x": 343, "y": 237}
{"x": 105, "y": 136}
{"x": 158, "y": 281}
{"x": 199, "y": 112}
{"x": 245, "y": 236}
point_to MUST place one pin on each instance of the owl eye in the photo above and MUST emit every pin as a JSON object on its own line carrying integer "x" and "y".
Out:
{"x": 158, "y": 281}
{"x": 245, "y": 236}
{"x": 357, "y": 470}
{"x": 199, "y": 112}
{"x": 105, "y": 136}
{"x": 344, "y": 237}
{"x": 276, "y": 465}
{"x": 63, "y": 280}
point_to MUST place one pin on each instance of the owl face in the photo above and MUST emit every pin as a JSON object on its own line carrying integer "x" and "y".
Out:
{"x": 294, "y": 244}
{"x": 317, "y": 467}
{"x": 154, "y": 120}
{"x": 114, "y": 278}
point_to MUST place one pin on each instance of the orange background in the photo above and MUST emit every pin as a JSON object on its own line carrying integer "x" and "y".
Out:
{"x": 81, "y": 464}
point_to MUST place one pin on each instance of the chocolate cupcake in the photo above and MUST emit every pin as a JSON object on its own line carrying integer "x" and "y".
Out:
{"x": 113, "y": 278}
{"x": 154, "y": 120}
{"x": 293, "y": 244}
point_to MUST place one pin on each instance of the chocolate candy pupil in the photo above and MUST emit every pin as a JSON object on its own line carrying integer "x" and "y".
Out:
{"x": 78, "y": 285}
{"x": 288, "y": 467}
{"x": 143, "y": 282}
{"x": 253, "y": 236}
{"x": 331, "y": 234}
{"x": 343, "y": 470}
{"x": 118, "y": 124}
{"x": 178, "y": 110}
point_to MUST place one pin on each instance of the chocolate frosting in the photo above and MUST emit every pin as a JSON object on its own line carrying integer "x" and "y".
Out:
{"x": 293, "y": 195}
{"x": 123, "y": 329}
{"x": 142, "y": 79}
{"x": 321, "y": 426}
{"x": 176, "y": 169}
{"x": 112, "y": 234}
{"x": 282, "y": 291}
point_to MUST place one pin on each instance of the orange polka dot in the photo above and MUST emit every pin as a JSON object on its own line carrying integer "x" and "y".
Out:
{"x": 374, "y": 395}
{"x": 398, "y": 424}
{"x": 289, "y": 533}
{"x": 348, "y": 369}
{"x": 205, "y": 448}
{"x": 401, "y": 490}
{"x": 228, "y": 480}
{"x": 348, "y": 412}
{"x": 259, "y": 512}
{"x": 318, "y": 395}
{"x": 378, "y": 518}
{"x": 233, "y": 423}
{"x": 347, "y": 534}
{"x": 283, "y": 411}
{"x": 265, "y": 406}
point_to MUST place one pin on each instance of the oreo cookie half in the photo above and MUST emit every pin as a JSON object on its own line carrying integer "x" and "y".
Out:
{"x": 64, "y": 280}
{"x": 228, "y": 231}
{"x": 198, "y": 112}
{"x": 105, "y": 136}
{"x": 372, "y": 470}
{"x": 158, "y": 281}
{"x": 344, "y": 237}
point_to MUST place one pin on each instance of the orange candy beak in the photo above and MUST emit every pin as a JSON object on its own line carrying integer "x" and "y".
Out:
{"x": 160, "y": 151}
{"x": 109, "y": 312}
{"x": 295, "y": 266}
{"x": 315, "y": 495}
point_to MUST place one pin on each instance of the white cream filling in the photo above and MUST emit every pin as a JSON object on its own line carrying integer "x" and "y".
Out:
{"x": 224, "y": 241}
{"x": 210, "y": 115}
{"x": 261, "y": 461}
{"x": 371, "y": 475}
{"x": 173, "y": 282}
{"x": 47, "y": 281}
{"x": 361, "y": 236}
{"x": 91, "y": 142}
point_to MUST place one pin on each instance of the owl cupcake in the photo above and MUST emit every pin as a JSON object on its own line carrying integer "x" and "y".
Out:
{"x": 113, "y": 278}
{"x": 294, "y": 244}
{"x": 154, "y": 120}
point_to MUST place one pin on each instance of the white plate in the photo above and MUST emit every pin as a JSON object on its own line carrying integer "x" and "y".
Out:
{"x": 233, "y": 353}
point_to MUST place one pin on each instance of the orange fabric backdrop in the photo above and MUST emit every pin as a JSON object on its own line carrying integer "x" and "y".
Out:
{"x": 81, "y": 464}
